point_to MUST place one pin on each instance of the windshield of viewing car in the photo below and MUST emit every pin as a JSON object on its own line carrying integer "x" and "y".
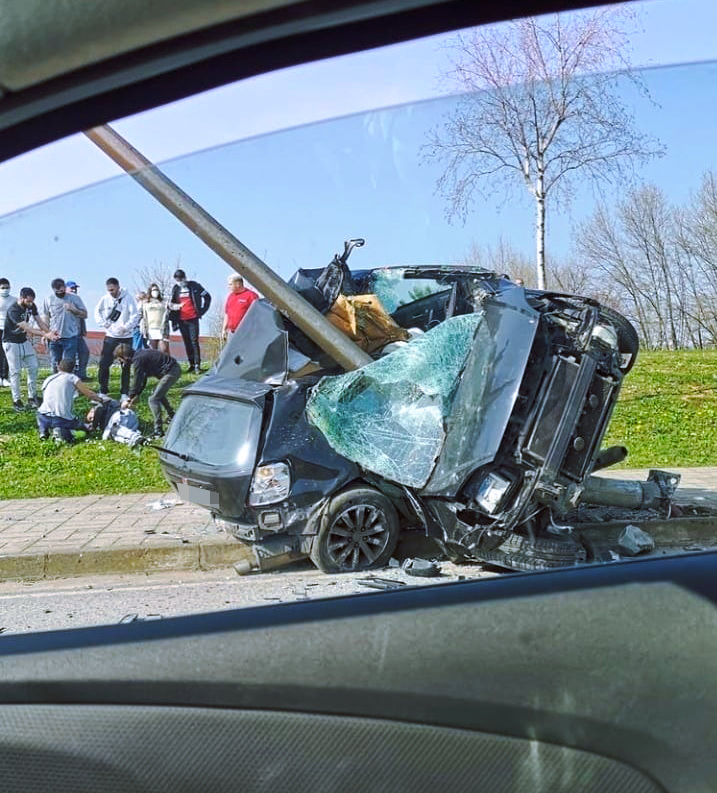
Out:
{"x": 425, "y": 179}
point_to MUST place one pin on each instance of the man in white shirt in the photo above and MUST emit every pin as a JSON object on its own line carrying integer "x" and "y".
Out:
{"x": 58, "y": 392}
{"x": 118, "y": 314}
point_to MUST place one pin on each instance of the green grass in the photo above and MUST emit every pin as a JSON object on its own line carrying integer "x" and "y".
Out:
{"x": 666, "y": 416}
{"x": 30, "y": 468}
{"x": 667, "y": 411}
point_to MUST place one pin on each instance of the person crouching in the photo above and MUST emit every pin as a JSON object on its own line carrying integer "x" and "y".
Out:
{"x": 150, "y": 363}
{"x": 55, "y": 412}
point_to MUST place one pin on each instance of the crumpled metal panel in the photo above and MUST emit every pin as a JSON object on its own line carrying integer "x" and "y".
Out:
{"x": 485, "y": 398}
{"x": 388, "y": 416}
{"x": 258, "y": 349}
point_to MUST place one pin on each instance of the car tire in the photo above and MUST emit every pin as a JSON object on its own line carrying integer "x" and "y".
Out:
{"x": 358, "y": 530}
{"x": 627, "y": 339}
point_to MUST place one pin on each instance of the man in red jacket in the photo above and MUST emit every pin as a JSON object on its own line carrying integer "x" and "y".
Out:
{"x": 237, "y": 304}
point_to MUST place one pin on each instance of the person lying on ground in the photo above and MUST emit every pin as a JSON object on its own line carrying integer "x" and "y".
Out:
{"x": 58, "y": 392}
{"x": 150, "y": 363}
{"x": 116, "y": 424}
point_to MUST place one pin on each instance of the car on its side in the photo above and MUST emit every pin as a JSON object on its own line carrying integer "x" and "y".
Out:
{"x": 478, "y": 428}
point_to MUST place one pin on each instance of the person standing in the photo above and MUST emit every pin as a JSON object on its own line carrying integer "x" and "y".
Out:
{"x": 150, "y": 363}
{"x": 6, "y": 300}
{"x": 118, "y": 314}
{"x": 154, "y": 320}
{"x": 139, "y": 338}
{"x": 237, "y": 304}
{"x": 83, "y": 351}
{"x": 62, "y": 311}
{"x": 19, "y": 350}
{"x": 58, "y": 392}
{"x": 189, "y": 303}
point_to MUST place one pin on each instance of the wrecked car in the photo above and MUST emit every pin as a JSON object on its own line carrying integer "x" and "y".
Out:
{"x": 477, "y": 420}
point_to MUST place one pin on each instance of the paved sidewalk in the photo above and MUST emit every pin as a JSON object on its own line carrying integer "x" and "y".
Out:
{"x": 137, "y": 532}
{"x": 62, "y": 537}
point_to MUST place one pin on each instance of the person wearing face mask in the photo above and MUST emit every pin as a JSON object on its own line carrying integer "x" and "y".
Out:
{"x": 6, "y": 300}
{"x": 155, "y": 322}
{"x": 189, "y": 303}
{"x": 63, "y": 312}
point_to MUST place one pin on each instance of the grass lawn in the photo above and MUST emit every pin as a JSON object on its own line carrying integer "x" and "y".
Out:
{"x": 31, "y": 468}
{"x": 667, "y": 412}
{"x": 666, "y": 416}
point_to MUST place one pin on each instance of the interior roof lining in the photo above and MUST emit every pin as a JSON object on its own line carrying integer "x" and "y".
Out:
{"x": 205, "y": 59}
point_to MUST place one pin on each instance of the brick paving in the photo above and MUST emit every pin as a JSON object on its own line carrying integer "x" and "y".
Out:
{"x": 56, "y": 537}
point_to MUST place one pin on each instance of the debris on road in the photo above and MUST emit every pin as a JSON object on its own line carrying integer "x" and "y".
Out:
{"x": 634, "y": 541}
{"x": 374, "y": 582}
{"x": 423, "y": 568}
{"x": 164, "y": 503}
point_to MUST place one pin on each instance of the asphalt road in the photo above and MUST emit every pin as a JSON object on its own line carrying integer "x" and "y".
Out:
{"x": 103, "y": 600}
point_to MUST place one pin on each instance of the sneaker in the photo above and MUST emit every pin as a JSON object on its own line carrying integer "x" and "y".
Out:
{"x": 124, "y": 398}
{"x": 4, "y": 383}
{"x": 18, "y": 406}
{"x": 44, "y": 435}
{"x": 102, "y": 395}
{"x": 157, "y": 433}
{"x": 57, "y": 435}
{"x": 34, "y": 402}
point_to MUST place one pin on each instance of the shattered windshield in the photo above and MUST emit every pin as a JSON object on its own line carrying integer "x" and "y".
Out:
{"x": 389, "y": 416}
{"x": 394, "y": 290}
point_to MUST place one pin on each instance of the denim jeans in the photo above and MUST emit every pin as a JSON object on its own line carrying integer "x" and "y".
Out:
{"x": 46, "y": 423}
{"x": 66, "y": 347}
{"x": 83, "y": 357}
{"x": 4, "y": 369}
{"x": 159, "y": 395}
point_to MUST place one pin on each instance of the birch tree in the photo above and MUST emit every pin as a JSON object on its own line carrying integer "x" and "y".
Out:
{"x": 543, "y": 107}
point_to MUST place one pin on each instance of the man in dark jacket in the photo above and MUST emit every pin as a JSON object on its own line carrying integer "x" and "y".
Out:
{"x": 150, "y": 363}
{"x": 189, "y": 303}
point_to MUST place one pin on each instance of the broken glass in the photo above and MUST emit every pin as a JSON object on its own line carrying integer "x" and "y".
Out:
{"x": 393, "y": 289}
{"x": 389, "y": 416}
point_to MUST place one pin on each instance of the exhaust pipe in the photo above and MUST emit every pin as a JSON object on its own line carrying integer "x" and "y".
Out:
{"x": 609, "y": 456}
{"x": 656, "y": 493}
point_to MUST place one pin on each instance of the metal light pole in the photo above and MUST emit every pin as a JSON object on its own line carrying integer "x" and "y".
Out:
{"x": 228, "y": 247}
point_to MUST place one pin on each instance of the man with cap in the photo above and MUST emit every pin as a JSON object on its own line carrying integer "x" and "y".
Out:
{"x": 189, "y": 303}
{"x": 83, "y": 351}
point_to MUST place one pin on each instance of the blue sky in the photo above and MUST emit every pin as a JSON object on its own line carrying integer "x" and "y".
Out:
{"x": 295, "y": 210}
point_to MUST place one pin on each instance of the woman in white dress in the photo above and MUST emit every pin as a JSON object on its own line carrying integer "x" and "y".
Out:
{"x": 155, "y": 321}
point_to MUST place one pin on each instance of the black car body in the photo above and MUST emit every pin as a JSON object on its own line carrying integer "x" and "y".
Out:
{"x": 479, "y": 432}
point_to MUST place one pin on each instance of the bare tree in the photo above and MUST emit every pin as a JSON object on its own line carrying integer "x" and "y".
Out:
{"x": 543, "y": 107}
{"x": 637, "y": 250}
{"x": 160, "y": 273}
{"x": 501, "y": 258}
